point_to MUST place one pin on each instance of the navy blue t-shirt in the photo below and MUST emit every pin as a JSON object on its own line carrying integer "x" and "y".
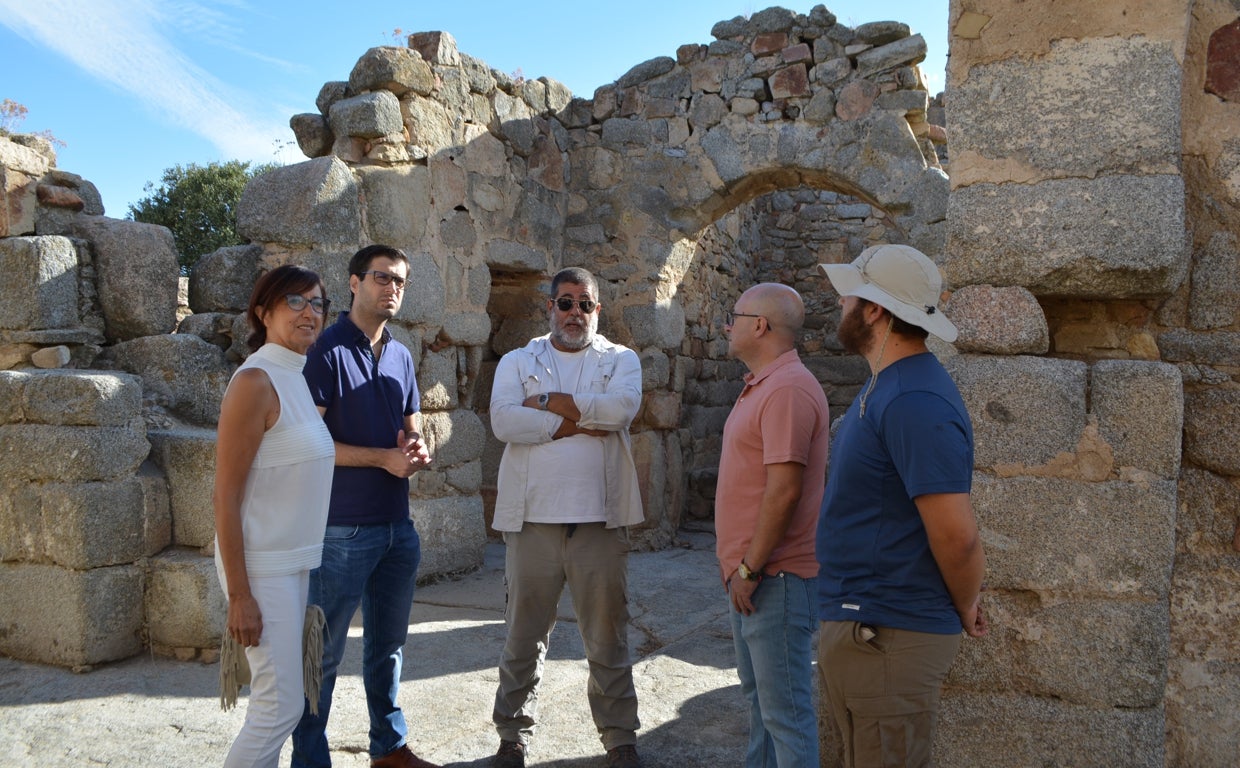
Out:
{"x": 875, "y": 564}
{"x": 366, "y": 402}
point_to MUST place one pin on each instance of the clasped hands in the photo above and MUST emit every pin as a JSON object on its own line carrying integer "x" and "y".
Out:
{"x": 407, "y": 456}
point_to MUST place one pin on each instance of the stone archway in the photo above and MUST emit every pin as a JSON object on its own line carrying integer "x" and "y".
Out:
{"x": 779, "y": 236}
{"x": 482, "y": 176}
{"x": 664, "y": 161}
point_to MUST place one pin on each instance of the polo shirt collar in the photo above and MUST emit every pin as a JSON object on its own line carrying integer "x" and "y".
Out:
{"x": 360, "y": 336}
{"x": 787, "y": 358}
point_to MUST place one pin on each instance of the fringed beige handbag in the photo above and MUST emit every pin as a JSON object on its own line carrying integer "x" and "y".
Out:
{"x": 235, "y": 669}
{"x": 312, "y": 655}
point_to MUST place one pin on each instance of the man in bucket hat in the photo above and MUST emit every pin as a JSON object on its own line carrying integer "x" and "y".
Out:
{"x": 900, "y": 560}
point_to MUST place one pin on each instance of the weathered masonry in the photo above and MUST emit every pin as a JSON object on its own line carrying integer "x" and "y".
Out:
{"x": 1086, "y": 224}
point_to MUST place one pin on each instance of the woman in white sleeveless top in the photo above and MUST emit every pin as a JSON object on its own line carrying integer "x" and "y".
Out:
{"x": 273, "y": 472}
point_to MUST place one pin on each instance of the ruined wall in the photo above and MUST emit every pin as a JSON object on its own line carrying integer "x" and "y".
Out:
{"x": 490, "y": 184}
{"x": 789, "y": 140}
{"x": 1086, "y": 234}
{"x": 1200, "y": 331}
{"x": 519, "y": 178}
{"x": 1089, "y": 175}
{"x": 85, "y": 511}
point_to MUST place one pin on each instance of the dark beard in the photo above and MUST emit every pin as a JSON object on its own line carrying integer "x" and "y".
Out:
{"x": 854, "y": 335}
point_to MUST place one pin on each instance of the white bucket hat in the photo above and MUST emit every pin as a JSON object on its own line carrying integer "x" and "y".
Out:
{"x": 898, "y": 278}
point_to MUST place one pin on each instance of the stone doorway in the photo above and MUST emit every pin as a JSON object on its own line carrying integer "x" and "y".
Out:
{"x": 778, "y": 236}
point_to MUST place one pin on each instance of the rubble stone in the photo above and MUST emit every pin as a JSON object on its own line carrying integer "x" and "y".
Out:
{"x": 1109, "y": 237}
{"x": 136, "y": 273}
{"x": 314, "y": 202}
{"x": 42, "y": 276}
{"x": 1026, "y": 411}
{"x": 222, "y": 281}
{"x": 1142, "y": 438}
{"x": 187, "y": 458}
{"x": 1211, "y": 420}
{"x": 391, "y": 69}
{"x": 70, "y": 618}
{"x": 1121, "y": 544}
{"x": 180, "y": 372}
{"x": 1001, "y": 321}
{"x": 185, "y": 604}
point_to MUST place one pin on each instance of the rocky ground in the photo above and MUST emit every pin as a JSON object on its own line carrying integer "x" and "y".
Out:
{"x": 155, "y": 712}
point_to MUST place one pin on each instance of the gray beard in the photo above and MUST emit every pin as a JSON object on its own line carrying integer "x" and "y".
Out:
{"x": 562, "y": 340}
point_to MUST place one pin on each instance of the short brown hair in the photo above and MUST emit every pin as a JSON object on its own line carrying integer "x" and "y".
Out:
{"x": 271, "y": 288}
{"x": 361, "y": 260}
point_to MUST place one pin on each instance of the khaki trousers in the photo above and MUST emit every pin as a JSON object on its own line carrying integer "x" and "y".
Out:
{"x": 592, "y": 560}
{"x": 882, "y": 686}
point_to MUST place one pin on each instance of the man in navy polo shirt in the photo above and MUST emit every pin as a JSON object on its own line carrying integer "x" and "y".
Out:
{"x": 363, "y": 382}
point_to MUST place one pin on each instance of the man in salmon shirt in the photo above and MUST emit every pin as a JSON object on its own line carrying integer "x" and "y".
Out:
{"x": 771, "y": 477}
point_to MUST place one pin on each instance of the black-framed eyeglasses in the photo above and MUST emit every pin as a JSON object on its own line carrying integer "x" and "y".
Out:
{"x": 565, "y": 304}
{"x": 383, "y": 278}
{"x": 729, "y": 318}
{"x": 297, "y": 303}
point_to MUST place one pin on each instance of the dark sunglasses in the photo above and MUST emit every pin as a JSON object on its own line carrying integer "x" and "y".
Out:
{"x": 565, "y": 304}
{"x": 297, "y": 303}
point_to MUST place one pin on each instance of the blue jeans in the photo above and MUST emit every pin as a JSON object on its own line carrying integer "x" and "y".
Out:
{"x": 774, "y": 663}
{"x": 374, "y": 565}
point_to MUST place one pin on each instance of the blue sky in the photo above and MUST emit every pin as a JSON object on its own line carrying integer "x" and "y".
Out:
{"x": 136, "y": 86}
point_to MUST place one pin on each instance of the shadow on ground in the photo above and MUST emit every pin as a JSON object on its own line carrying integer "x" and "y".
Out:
{"x": 147, "y": 711}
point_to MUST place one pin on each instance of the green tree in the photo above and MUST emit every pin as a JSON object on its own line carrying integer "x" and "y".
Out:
{"x": 199, "y": 204}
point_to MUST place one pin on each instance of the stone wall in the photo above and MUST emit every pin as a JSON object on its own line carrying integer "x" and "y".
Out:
{"x": 1086, "y": 234}
{"x": 493, "y": 183}
{"x": 1198, "y": 330}
{"x": 490, "y": 184}
{"x": 1102, "y": 245}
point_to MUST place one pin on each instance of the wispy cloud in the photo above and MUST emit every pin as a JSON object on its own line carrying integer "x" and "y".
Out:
{"x": 130, "y": 44}
{"x": 216, "y": 25}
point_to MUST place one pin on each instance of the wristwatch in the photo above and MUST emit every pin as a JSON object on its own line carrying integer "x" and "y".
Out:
{"x": 543, "y": 399}
{"x": 743, "y": 571}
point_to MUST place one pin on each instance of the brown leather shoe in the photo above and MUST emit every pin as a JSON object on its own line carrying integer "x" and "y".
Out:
{"x": 511, "y": 754}
{"x": 401, "y": 758}
{"x": 623, "y": 756}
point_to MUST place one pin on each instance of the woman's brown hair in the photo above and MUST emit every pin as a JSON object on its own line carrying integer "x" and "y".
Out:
{"x": 272, "y": 287}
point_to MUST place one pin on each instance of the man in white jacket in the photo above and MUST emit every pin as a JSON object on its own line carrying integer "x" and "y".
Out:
{"x": 567, "y": 493}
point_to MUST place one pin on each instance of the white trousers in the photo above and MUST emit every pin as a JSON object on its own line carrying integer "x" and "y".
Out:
{"x": 277, "y": 696}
